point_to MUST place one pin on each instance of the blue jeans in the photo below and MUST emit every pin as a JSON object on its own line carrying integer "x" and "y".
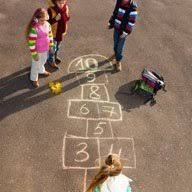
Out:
{"x": 119, "y": 44}
{"x": 53, "y": 56}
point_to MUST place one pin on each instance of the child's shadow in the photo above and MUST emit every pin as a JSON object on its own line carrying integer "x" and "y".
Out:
{"x": 129, "y": 99}
{"x": 14, "y": 97}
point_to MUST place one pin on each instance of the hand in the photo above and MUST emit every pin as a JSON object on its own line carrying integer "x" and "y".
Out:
{"x": 58, "y": 17}
{"x": 36, "y": 58}
{"x": 51, "y": 51}
{"x": 123, "y": 36}
{"x": 109, "y": 26}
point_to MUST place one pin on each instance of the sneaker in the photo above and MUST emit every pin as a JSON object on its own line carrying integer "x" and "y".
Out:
{"x": 57, "y": 60}
{"x": 118, "y": 65}
{"x": 35, "y": 84}
{"x": 115, "y": 68}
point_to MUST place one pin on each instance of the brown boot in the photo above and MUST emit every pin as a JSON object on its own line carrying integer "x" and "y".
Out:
{"x": 35, "y": 84}
{"x": 57, "y": 60}
{"x": 118, "y": 65}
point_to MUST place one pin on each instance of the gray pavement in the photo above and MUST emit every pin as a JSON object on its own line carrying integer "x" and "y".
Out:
{"x": 57, "y": 142}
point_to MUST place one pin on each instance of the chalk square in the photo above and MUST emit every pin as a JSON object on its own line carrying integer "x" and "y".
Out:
{"x": 95, "y": 92}
{"x": 82, "y": 109}
{"x": 99, "y": 128}
{"x": 70, "y": 180}
{"x": 110, "y": 110}
{"x": 80, "y": 153}
{"x": 122, "y": 146}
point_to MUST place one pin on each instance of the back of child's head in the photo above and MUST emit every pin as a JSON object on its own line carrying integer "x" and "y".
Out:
{"x": 39, "y": 13}
{"x": 112, "y": 167}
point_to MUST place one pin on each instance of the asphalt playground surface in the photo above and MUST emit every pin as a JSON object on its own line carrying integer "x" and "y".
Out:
{"x": 56, "y": 143}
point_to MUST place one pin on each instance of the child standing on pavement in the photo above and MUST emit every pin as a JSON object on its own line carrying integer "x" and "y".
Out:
{"x": 58, "y": 17}
{"x": 123, "y": 21}
{"x": 40, "y": 41}
{"x": 110, "y": 177}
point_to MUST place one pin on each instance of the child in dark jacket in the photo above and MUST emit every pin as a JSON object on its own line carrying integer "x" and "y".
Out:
{"x": 123, "y": 21}
{"x": 58, "y": 17}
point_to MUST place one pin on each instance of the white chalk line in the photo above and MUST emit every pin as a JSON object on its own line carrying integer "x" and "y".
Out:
{"x": 85, "y": 179}
{"x": 99, "y": 151}
{"x": 63, "y": 150}
{"x": 100, "y": 138}
{"x": 112, "y": 134}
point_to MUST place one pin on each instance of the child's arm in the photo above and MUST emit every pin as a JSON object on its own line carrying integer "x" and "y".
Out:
{"x": 51, "y": 19}
{"x": 112, "y": 18}
{"x": 32, "y": 37}
{"x": 51, "y": 43}
{"x": 67, "y": 12}
{"x": 131, "y": 20}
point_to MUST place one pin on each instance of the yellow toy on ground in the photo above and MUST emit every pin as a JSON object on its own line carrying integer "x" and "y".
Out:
{"x": 55, "y": 87}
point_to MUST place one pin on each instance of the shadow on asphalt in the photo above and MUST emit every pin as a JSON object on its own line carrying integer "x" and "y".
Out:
{"x": 127, "y": 99}
{"x": 19, "y": 81}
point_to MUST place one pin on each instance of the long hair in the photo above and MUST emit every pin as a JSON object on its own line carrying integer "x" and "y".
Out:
{"x": 111, "y": 168}
{"x": 39, "y": 13}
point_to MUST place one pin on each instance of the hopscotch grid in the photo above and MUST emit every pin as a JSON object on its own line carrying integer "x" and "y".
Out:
{"x": 83, "y": 60}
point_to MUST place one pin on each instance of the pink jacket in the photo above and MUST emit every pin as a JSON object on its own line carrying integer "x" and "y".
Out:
{"x": 40, "y": 38}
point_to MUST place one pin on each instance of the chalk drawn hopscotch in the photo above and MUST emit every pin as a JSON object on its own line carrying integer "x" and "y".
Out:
{"x": 94, "y": 106}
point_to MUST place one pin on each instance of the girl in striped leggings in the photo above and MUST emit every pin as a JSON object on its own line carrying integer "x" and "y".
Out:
{"x": 40, "y": 42}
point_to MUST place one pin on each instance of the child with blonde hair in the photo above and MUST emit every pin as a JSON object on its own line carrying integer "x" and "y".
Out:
{"x": 40, "y": 41}
{"x": 110, "y": 177}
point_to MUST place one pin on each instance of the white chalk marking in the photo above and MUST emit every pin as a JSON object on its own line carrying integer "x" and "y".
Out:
{"x": 85, "y": 178}
{"x": 111, "y": 151}
{"x": 63, "y": 150}
{"x": 99, "y": 149}
{"x": 89, "y": 62}
{"x": 85, "y": 111}
{"x": 111, "y": 129}
{"x": 81, "y": 59}
{"x": 82, "y": 151}
{"x": 98, "y": 86}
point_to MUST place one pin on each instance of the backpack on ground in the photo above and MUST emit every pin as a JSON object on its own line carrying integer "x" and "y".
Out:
{"x": 150, "y": 83}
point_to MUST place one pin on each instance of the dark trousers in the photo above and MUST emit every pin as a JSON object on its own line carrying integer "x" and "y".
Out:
{"x": 53, "y": 56}
{"x": 119, "y": 44}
